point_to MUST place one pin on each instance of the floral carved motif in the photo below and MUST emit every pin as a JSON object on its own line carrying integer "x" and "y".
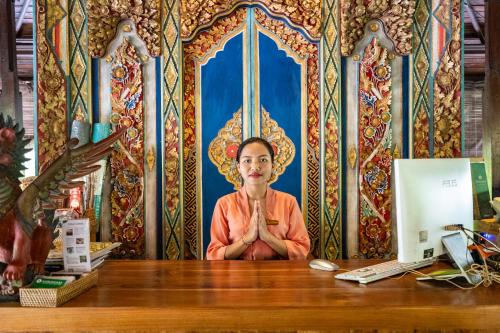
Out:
{"x": 375, "y": 157}
{"x": 421, "y": 135}
{"x": 397, "y": 16}
{"x": 51, "y": 98}
{"x": 172, "y": 164}
{"x": 196, "y": 14}
{"x": 104, "y": 16}
{"x": 447, "y": 99}
{"x": 127, "y": 162}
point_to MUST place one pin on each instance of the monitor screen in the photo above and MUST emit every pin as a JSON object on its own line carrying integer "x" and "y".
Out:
{"x": 428, "y": 195}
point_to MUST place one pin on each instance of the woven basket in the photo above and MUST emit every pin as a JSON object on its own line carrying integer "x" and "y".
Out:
{"x": 53, "y": 297}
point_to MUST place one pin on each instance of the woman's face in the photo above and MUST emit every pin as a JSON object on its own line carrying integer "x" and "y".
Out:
{"x": 255, "y": 164}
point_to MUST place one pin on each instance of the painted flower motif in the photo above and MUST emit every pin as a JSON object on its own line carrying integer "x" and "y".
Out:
{"x": 132, "y": 101}
{"x": 368, "y": 99}
{"x": 369, "y": 132}
{"x": 372, "y": 230}
{"x": 382, "y": 72}
{"x": 131, "y": 233}
{"x": 132, "y": 133}
{"x": 377, "y": 179}
{"x": 115, "y": 118}
{"x": 126, "y": 121}
{"x": 119, "y": 72}
{"x": 232, "y": 150}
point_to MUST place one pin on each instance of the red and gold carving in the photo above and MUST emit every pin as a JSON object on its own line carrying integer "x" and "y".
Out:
{"x": 331, "y": 164}
{"x": 447, "y": 95}
{"x": 51, "y": 97}
{"x": 421, "y": 135}
{"x": 127, "y": 162}
{"x": 196, "y": 14}
{"x": 396, "y": 15}
{"x": 172, "y": 150}
{"x": 375, "y": 156}
{"x": 104, "y": 16}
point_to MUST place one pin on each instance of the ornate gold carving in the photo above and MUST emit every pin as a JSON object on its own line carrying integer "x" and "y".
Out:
{"x": 150, "y": 158}
{"x": 395, "y": 152}
{"x": 172, "y": 161}
{"x": 127, "y": 28}
{"x": 306, "y": 50}
{"x": 352, "y": 156}
{"x": 196, "y": 49}
{"x": 447, "y": 101}
{"x": 144, "y": 58}
{"x": 196, "y": 14}
{"x": 51, "y": 97}
{"x": 282, "y": 145}
{"x": 332, "y": 163}
{"x": 105, "y": 15}
{"x": 356, "y": 57}
{"x": 395, "y": 14}
{"x": 222, "y": 150}
{"x": 374, "y": 27}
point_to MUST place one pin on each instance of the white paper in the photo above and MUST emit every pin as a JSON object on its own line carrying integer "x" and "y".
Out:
{"x": 76, "y": 245}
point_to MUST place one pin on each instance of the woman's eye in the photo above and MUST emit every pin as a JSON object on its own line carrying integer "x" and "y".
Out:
{"x": 264, "y": 160}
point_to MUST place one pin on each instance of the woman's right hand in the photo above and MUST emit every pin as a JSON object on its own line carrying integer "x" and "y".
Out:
{"x": 253, "y": 230}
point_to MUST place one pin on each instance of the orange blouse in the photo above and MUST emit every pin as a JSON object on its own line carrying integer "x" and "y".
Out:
{"x": 231, "y": 219}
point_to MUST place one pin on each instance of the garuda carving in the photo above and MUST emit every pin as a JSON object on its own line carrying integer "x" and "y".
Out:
{"x": 26, "y": 226}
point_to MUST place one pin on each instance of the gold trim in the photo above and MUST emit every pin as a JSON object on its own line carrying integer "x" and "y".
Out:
{"x": 246, "y": 84}
{"x": 352, "y": 156}
{"x": 396, "y": 152}
{"x": 150, "y": 158}
{"x": 374, "y": 27}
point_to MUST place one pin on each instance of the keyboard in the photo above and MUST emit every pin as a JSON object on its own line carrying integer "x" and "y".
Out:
{"x": 379, "y": 271}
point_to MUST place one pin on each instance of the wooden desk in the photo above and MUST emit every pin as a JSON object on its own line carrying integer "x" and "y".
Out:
{"x": 267, "y": 295}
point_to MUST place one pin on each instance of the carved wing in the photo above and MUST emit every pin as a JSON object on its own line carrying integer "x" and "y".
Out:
{"x": 74, "y": 163}
{"x": 12, "y": 151}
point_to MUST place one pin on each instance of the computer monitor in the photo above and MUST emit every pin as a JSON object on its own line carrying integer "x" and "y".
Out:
{"x": 430, "y": 194}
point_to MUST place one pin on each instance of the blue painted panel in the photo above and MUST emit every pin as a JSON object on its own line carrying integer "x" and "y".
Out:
{"x": 280, "y": 96}
{"x": 221, "y": 96}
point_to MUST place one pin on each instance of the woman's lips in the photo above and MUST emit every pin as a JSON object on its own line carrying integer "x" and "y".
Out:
{"x": 254, "y": 175}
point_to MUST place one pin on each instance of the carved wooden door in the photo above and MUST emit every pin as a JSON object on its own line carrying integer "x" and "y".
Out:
{"x": 249, "y": 75}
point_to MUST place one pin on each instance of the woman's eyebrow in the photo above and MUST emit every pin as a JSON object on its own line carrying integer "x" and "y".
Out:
{"x": 266, "y": 155}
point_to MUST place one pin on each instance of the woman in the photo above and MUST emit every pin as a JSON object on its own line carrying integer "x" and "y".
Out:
{"x": 257, "y": 222}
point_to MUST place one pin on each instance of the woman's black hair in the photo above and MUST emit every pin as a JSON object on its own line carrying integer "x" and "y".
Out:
{"x": 254, "y": 140}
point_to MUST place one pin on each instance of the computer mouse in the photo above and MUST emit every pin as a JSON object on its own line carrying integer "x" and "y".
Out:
{"x": 323, "y": 264}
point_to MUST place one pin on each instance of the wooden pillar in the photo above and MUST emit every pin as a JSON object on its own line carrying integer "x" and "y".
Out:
{"x": 491, "y": 112}
{"x": 10, "y": 99}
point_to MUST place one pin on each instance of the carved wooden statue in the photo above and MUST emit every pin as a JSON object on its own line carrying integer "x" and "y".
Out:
{"x": 26, "y": 226}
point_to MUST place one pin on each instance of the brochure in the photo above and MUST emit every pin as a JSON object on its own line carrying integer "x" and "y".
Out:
{"x": 76, "y": 245}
